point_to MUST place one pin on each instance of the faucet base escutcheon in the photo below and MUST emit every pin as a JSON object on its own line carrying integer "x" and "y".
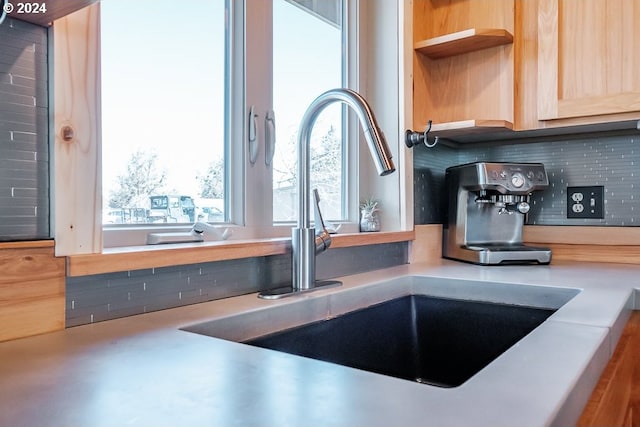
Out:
{"x": 287, "y": 291}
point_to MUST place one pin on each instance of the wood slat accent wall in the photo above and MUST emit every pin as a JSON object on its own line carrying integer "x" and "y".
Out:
{"x": 32, "y": 299}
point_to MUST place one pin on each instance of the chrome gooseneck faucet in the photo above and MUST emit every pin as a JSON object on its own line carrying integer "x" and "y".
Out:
{"x": 307, "y": 242}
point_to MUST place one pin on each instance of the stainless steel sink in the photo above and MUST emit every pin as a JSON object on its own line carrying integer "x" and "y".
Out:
{"x": 434, "y": 331}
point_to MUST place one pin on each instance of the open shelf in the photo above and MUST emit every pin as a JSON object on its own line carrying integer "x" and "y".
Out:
{"x": 465, "y": 41}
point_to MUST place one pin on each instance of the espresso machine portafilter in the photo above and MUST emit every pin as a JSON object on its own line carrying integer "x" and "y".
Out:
{"x": 486, "y": 208}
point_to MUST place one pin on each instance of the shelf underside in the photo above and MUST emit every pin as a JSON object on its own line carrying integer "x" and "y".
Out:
{"x": 470, "y": 40}
{"x": 469, "y": 128}
{"x": 477, "y": 131}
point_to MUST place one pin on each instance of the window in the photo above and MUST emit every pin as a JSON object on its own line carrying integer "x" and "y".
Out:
{"x": 377, "y": 40}
{"x": 308, "y": 53}
{"x": 174, "y": 108}
{"x": 247, "y": 76}
{"x": 163, "y": 109}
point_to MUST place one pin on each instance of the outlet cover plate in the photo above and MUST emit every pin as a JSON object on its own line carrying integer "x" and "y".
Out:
{"x": 585, "y": 202}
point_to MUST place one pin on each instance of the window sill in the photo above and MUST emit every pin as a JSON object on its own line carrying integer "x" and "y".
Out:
{"x": 26, "y": 244}
{"x": 141, "y": 257}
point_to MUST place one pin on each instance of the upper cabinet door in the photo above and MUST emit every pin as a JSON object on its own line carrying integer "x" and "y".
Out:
{"x": 588, "y": 58}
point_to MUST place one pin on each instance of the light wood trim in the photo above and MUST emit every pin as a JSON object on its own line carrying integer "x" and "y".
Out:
{"x": 362, "y": 239}
{"x": 142, "y": 257}
{"x": 427, "y": 246}
{"x": 548, "y": 58}
{"x": 567, "y": 243}
{"x": 78, "y": 201}
{"x": 595, "y": 253}
{"x": 28, "y": 264}
{"x": 405, "y": 119}
{"x": 464, "y": 41}
{"x": 27, "y": 244}
{"x": 32, "y": 292}
{"x": 616, "y": 394}
{"x": 469, "y": 127}
{"x": 155, "y": 256}
{"x": 585, "y": 243}
{"x": 582, "y": 235}
{"x": 597, "y": 105}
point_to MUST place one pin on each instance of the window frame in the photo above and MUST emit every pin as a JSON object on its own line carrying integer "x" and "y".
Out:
{"x": 243, "y": 211}
{"x": 249, "y": 72}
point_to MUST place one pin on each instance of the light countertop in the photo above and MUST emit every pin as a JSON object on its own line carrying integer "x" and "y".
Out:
{"x": 145, "y": 371}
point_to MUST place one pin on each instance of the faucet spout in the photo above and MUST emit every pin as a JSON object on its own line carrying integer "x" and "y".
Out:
{"x": 376, "y": 142}
{"x": 304, "y": 242}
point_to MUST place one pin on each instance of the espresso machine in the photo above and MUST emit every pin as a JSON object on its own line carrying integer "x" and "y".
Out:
{"x": 487, "y": 203}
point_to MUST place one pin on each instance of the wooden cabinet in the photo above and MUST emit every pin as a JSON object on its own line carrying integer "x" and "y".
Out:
{"x": 463, "y": 69}
{"x": 588, "y": 58}
{"x": 508, "y": 69}
{"x": 32, "y": 298}
{"x": 616, "y": 399}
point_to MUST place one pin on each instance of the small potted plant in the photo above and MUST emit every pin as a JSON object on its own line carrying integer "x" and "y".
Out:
{"x": 369, "y": 220}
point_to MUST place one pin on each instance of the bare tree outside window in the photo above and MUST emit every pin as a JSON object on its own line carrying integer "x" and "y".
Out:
{"x": 212, "y": 180}
{"x": 326, "y": 176}
{"x": 143, "y": 178}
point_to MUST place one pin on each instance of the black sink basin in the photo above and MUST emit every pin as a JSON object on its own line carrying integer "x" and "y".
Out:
{"x": 436, "y": 341}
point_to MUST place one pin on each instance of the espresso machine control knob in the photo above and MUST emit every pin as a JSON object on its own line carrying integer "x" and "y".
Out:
{"x": 517, "y": 179}
{"x": 523, "y": 207}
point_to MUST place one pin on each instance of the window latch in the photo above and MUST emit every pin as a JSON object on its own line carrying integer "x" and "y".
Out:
{"x": 269, "y": 136}
{"x": 196, "y": 234}
{"x": 253, "y": 135}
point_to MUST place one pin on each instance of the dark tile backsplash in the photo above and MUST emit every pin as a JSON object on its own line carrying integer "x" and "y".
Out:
{"x": 610, "y": 160}
{"x": 108, "y": 296}
{"x": 24, "y": 147}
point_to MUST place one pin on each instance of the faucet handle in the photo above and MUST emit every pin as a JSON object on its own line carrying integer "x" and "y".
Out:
{"x": 323, "y": 238}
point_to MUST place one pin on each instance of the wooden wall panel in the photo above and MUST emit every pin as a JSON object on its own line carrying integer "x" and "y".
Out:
{"x": 427, "y": 244}
{"x": 595, "y": 253}
{"x": 567, "y": 243}
{"x": 32, "y": 298}
{"x": 592, "y": 244}
{"x": 78, "y": 173}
